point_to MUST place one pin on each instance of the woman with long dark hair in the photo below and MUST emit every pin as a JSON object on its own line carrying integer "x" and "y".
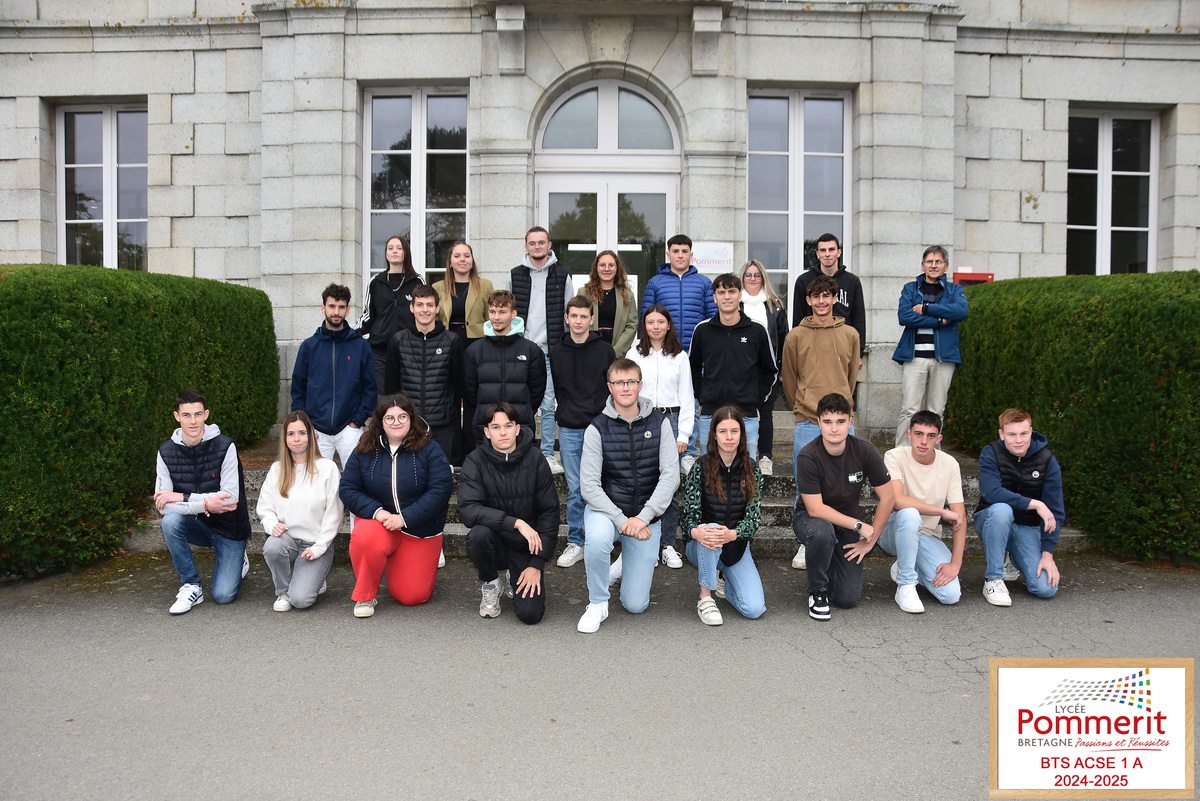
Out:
{"x": 722, "y": 499}
{"x": 614, "y": 312}
{"x": 397, "y": 485}
{"x": 300, "y": 509}
{"x": 386, "y": 306}
{"x": 667, "y": 382}
{"x": 462, "y": 308}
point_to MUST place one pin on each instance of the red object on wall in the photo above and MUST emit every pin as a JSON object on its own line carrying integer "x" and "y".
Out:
{"x": 972, "y": 278}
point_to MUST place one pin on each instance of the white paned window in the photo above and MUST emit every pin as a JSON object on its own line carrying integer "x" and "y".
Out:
{"x": 1112, "y": 191}
{"x": 101, "y": 157}
{"x": 416, "y": 154}
{"x": 798, "y": 175}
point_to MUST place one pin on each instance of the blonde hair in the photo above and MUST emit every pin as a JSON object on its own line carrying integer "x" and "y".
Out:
{"x": 473, "y": 277}
{"x": 770, "y": 290}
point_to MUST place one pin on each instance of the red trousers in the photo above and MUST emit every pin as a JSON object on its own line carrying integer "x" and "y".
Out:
{"x": 410, "y": 562}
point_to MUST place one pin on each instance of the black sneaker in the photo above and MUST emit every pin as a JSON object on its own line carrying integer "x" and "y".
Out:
{"x": 818, "y": 606}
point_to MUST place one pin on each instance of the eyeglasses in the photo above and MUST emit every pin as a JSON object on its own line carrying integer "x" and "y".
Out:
{"x": 624, "y": 384}
{"x": 749, "y": 276}
{"x": 934, "y": 263}
{"x": 394, "y": 419}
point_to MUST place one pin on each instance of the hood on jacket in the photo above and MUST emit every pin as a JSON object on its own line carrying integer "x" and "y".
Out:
{"x": 645, "y": 407}
{"x": 565, "y": 339}
{"x": 1037, "y": 441}
{"x": 524, "y": 443}
{"x": 347, "y": 333}
{"x": 211, "y": 430}
{"x": 665, "y": 269}
{"x": 517, "y": 328}
{"x": 808, "y": 322}
{"x": 550, "y": 259}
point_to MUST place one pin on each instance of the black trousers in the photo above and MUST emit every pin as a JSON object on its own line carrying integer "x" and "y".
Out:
{"x": 828, "y": 568}
{"x": 492, "y": 551}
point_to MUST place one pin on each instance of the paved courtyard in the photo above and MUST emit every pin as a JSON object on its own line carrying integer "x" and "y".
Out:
{"x": 106, "y": 696}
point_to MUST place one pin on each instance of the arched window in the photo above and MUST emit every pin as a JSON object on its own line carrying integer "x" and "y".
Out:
{"x": 607, "y": 117}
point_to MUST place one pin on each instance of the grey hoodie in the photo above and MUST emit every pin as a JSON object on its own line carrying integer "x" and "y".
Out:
{"x": 593, "y": 459}
{"x": 195, "y": 504}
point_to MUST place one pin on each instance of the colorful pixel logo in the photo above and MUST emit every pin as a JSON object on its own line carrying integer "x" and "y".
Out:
{"x": 1132, "y": 690}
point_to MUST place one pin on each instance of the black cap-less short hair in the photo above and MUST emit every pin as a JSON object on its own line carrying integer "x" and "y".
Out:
{"x": 335, "y": 291}
{"x": 833, "y": 402}
{"x": 190, "y": 395}
{"x": 926, "y": 418}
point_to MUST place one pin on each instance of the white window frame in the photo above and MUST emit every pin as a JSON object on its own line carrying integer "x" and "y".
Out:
{"x": 1104, "y": 174}
{"x": 796, "y": 154}
{"x": 417, "y": 210}
{"x": 109, "y": 222}
{"x": 606, "y": 156}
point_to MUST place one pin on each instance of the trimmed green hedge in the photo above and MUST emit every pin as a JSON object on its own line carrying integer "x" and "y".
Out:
{"x": 93, "y": 359}
{"x": 1109, "y": 367}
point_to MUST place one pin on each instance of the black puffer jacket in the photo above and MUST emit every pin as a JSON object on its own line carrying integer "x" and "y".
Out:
{"x": 508, "y": 368}
{"x": 427, "y": 368}
{"x": 495, "y": 489}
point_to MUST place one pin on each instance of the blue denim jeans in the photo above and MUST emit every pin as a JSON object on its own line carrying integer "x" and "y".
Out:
{"x": 637, "y": 570}
{"x": 570, "y": 444}
{"x": 670, "y": 519}
{"x": 548, "y": 412}
{"x": 182, "y": 531}
{"x": 743, "y": 586}
{"x": 692, "y": 450}
{"x": 804, "y": 433}
{"x": 751, "y": 435}
{"x": 1000, "y": 533}
{"x": 918, "y": 556}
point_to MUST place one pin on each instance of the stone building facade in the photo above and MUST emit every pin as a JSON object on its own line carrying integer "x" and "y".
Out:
{"x": 278, "y": 145}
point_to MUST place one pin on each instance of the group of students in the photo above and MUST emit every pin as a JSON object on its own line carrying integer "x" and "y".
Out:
{"x": 700, "y": 355}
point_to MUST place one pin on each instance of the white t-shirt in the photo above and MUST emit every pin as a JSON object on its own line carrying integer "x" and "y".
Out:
{"x": 937, "y": 484}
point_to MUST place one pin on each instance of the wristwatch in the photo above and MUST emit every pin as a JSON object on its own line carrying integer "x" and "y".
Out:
{"x": 858, "y": 526}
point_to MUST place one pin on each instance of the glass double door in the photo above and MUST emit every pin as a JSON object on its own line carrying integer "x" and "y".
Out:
{"x": 587, "y": 213}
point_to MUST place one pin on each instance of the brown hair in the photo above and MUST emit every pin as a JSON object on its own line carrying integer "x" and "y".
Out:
{"x": 502, "y": 297}
{"x": 712, "y": 459}
{"x": 620, "y": 281}
{"x": 373, "y": 439}
{"x": 287, "y": 467}
{"x": 822, "y": 284}
{"x": 1010, "y": 416}
{"x": 671, "y": 344}
{"x": 579, "y": 302}
{"x": 473, "y": 276}
{"x": 408, "y": 262}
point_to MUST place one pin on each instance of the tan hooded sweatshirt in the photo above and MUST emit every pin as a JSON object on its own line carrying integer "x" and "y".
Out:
{"x": 818, "y": 360}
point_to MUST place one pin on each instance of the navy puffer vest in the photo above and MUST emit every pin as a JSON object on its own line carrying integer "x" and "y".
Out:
{"x": 630, "y": 450}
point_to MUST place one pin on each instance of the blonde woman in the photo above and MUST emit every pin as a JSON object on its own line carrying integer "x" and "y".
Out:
{"x": 614, "y": 313}
{"x": 462, "y": 308}
{"x": 761, "y": 304}
{"x": 300, "y": 509}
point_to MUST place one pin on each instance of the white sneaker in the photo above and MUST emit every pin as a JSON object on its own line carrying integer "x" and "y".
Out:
{"x": 442, "y": 559}
{"x": 283, "y": 603}
{"x": 799, "y": 561}
{"x": 710, "y": 615}
{"x": 188, "y": 596}
{"x": 908, "y": 600}
{"x": 996, "y": 592}
{"x": 245, "y": 564}
{"x": 570, "y": 555}
{"x": 506, "y": 584}
{"x": 593, "y": 616}
{"x": 614, "y": 571}
{"x": 324, "y": 586}
{"x": 720, "y": 590}
{"x": 765, "y": 467}
{"x": 670, "y": 557}
{"x": 1010, "y": 570}
{"x": 365, "y": 608}
{"x": 685, "y": 466}
{"x": 489, "y": 606}
{"x": 895, "y": 572}
{"x": 555, "y": 465}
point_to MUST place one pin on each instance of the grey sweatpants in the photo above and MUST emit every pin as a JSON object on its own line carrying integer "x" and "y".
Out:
{"x": 299, "y": 578}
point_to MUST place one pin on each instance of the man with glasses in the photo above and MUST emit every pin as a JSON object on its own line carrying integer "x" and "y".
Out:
{"x": 930, "y": 310}
{"x": 542, "y": 288}
{"x": 627, "y": 475}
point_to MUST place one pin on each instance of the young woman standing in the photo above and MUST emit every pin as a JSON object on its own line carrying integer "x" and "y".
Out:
{"x": 385, "y": 309}
{"x": 614, "y": 314}
{"x": 761, "y": 304}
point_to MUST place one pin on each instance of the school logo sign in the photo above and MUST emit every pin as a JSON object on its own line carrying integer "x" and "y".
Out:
{"x": 1092, "y": 728}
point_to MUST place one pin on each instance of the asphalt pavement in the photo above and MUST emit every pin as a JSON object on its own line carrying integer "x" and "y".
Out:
{"x": 106, "y": 696}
